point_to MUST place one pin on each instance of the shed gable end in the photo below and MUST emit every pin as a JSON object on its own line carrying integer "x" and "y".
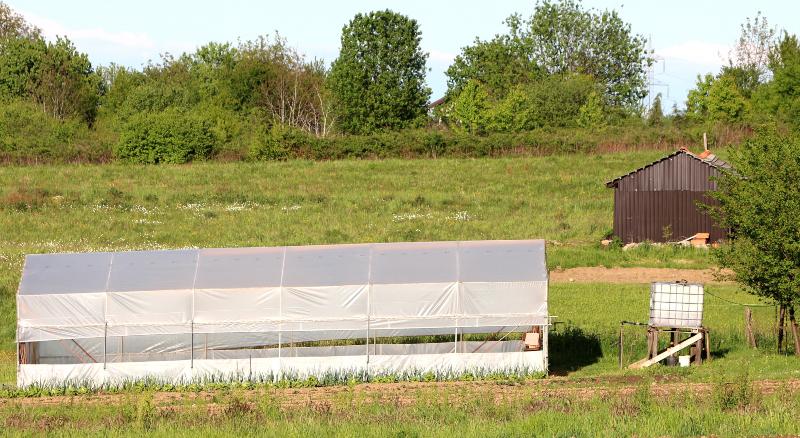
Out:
{"x": 678, "y": 172}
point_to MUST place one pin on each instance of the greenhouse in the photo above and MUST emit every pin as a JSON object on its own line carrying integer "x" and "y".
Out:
{"x": 278, "y": 312}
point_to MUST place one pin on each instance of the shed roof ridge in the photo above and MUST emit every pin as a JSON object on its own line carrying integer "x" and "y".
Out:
{"x": 710, "y": 160}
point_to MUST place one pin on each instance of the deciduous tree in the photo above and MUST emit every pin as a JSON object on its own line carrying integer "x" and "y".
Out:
{"x": 759, "y": 201}
{"x": 785, "y": 85}
{"x": 378, "y": 80}
{"x": 497, "y": 63}
{"x": 53, "y": 74}
{"x": 563, "y": 37}
{"x": 752, "y": 50}
{"x": 14, "y": 25}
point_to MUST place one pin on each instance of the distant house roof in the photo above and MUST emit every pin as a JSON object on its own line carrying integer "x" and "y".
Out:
{"x": 705, "y": 157}
{"x": 437, "y": 102}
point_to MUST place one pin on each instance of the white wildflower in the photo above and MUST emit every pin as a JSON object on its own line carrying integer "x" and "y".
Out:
{"x": 403, "y": 217}
{"x": 460, "y": 216}
{"x": 241, "y": 206}
{"x": 97, "y": 208}
{"x": 146, "y": 222}
{"x": 192, "y": 206}
{"x": 143, "y": 210}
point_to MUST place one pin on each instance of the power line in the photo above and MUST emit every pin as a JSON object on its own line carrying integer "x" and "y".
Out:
{"x": 739, "y": 304}
{"x": 651, "y": 73}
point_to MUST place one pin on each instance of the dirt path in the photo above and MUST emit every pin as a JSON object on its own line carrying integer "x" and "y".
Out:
{"x": 409, "y": 393}
{"x": 632, "y": 275}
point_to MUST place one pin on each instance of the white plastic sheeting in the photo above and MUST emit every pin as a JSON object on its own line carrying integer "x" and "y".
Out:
{"x": 182, "y": 372}
{"x": 299, "y": 294}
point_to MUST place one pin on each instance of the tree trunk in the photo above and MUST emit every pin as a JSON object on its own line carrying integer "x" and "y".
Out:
{"x": 795, "y": 331}
{"x": 781, "y": 324}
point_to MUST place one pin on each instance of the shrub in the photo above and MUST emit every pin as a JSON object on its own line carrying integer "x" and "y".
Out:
{"x": 29, "y": 134}
{"x": 281, "y": 142}
{"x": 166, "y": 137}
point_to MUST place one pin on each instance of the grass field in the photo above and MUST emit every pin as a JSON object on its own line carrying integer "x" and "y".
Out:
{"x": 106, "y": 207}
{"x": 559, "y": 198}
{"x": 441, "y": 410}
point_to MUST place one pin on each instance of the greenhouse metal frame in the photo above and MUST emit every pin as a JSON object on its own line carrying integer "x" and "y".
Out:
{"x": 298, "y": 311}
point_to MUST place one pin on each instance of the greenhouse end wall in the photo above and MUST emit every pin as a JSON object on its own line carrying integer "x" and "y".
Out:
{"x": 282, "y": 312}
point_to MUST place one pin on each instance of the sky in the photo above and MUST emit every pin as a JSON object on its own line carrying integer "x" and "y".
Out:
{"x": 688, "y": 37}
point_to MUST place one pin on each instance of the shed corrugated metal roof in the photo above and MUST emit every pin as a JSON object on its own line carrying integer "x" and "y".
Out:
{"x": 706, "y": 157}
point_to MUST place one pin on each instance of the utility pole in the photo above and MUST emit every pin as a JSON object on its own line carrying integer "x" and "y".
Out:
{"x": 651, "y": 73}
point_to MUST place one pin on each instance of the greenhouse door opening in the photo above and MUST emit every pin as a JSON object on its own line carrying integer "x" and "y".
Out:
{"x": 270, "y": 313}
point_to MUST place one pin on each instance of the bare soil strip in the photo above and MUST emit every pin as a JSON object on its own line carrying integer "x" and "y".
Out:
{"x": 410, "y": 393}
{"x": 600, "y": 274}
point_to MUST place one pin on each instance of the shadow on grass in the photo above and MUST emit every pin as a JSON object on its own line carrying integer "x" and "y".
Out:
{"x": 719, "y": 352}
{"x": 571, "y": 349}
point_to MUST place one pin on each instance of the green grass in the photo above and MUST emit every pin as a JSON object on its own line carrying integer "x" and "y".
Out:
{"x": 584, "y": 340}
{"x": 726, "y": 411}
{"x": 112, "y": 207}
{"x": 585, "y": 337}
{"x": 559, "y": 198}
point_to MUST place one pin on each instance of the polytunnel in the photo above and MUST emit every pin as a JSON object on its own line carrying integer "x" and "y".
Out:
{"x": 188, "y": 315}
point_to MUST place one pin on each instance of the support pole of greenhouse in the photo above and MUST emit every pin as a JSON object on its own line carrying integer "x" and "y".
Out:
{"x": 105, "y": 344}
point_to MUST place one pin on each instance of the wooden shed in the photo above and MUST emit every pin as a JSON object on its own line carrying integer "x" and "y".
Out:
{"x": 659, "y": 202}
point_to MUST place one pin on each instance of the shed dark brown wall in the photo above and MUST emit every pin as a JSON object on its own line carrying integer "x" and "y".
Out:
{"x": 660, "y": 203}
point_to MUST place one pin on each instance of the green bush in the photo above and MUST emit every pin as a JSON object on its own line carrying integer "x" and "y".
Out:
{"x": 166, "y": 137}
{"x": 28, "y": 134}
{"x": 281, "y": 142}
{"x": 555, "y": 101}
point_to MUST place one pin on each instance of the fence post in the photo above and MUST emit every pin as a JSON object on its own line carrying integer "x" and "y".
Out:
{"x": 748, "y": 327}
{"x": 620, "y": 345}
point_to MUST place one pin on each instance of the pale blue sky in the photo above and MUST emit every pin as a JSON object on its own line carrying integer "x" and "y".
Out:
{"x": 691, "y": 36}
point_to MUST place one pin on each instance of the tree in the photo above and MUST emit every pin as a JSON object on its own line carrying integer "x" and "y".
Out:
{"x": 746, "y": 79}
{"x": 656, "y": 115}
{"x": 292, "y": 89}
{"x": 592, "y": 113}
{"x": 785, "y": 86}
{"x": 553, "y": 101}
{"x": 752, "y": 50}
{"x": 378, "y": 80}
{"x": 470, "y": 108}
{"x": 716, "y": 99}
{"x": 697, "y": 98}
{"x": 13, "y": 25}
{"x": 496, "y": 63}
{"x": 758, "y": 202}
{"x": 66, "y": 85}
{"x": 725, "y": 102}
{"x": 53, "y": 74}
{"x": 562, "y": 37}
